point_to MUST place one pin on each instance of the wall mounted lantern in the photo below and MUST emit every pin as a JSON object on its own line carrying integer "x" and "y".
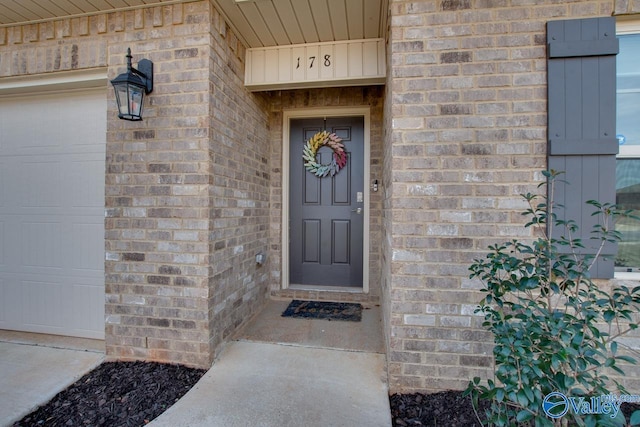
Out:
{"x": 130, "y": 88}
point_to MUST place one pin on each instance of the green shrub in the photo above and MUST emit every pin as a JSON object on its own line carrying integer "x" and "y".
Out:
{"x": 554, "y": 329}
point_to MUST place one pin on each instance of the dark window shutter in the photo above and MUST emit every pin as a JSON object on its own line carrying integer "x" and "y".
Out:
{"x": 581, "y": 74}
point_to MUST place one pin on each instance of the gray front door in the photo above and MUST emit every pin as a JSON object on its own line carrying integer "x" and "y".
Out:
{"x": 326, "y": 214}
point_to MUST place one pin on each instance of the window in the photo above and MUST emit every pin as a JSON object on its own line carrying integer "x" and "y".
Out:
{"x": 628, "y": 134}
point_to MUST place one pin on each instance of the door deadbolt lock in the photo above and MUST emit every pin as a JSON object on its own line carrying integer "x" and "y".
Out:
{"x": 358, "y": 211}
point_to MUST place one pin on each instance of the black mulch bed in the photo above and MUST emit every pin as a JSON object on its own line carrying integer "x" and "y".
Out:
{"x": 324, "y": 310}
{"x": 116, "y": 394}
{"x": 448, "y": 409}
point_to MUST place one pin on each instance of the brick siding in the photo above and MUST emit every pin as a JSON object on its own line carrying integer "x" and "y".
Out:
{"x": 465, "y": 114}
{"x": 239, "y": 152}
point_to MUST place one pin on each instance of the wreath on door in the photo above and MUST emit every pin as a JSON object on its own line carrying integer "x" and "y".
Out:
{"x": 310, "y": 152}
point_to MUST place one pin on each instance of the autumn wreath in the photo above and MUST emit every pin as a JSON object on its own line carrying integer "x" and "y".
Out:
{"x": 310, "y": 151}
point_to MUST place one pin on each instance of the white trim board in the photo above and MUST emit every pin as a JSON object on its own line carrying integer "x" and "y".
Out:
{"x": 626, "y": 27}
{"x": 326, "y": 112}
{"x": 51, "y": 82}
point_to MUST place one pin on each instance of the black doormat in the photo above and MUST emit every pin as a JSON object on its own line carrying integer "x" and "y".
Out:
{"x": 324, "y": 310}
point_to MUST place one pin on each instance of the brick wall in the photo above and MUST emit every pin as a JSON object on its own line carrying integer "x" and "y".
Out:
{"x": 157, "y": 193}
{"x": 386, "y": 195}
{"x": 466, "y": 114}
{"x": 63, "y": 45}
{"x": 240, "y": 178}
{"x": 626, "y": 7}
{"x": 203, "y": 168}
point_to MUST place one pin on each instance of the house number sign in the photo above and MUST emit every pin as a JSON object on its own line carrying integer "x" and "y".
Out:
{"x": 353, "y": 62}
{"x": 312, "y": 60}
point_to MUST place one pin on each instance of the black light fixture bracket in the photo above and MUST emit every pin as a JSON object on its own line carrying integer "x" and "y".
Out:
{"x": 145, "y": 71}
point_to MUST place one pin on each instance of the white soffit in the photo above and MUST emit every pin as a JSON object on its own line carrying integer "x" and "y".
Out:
{"x": 14, "y": 12}
{"x": 259, "y": 23}
{"x": 265, "y": 23}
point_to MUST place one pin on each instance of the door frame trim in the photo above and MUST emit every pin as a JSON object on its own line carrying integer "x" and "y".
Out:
{"x": 298, "y": 113}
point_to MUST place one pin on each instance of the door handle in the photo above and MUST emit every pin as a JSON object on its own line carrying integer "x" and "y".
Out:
{"x": 358, "y": 211}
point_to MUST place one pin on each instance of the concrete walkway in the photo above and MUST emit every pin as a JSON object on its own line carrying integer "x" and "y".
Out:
{"x": 263, "y": 384}
{"x": 275, "y": 372}
{"x": 30, "y": 375}
{"x": 280, "y": 372}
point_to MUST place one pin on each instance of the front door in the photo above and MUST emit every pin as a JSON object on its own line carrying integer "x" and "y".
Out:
{"x": 326, "y": 212}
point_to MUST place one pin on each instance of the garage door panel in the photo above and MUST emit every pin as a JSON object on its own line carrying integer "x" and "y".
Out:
{"x": 12, "y": 309}
{"x": 41, "y": 244}
{"x": 74, "y": 184}
{"x": 87, "y": 249}
{"x": 41, "y": 299}
{"x": 41, "y": 184}
{"x": 83, "y": 181}
{"x": 3, "y": 300}
{"x": 84, "y": 314}
{"x": 3, "y": 182}
{"x": 2, "y": 243}
{"x": 11, "y": 246}
{"x": 10, "y": 175}
{"x": 62, "y": 247}
{"x": 43, "y": 123}
{"x": 21, "y": 132}
{"x": 52, "y": 213}
{"x": 53, "y": 304}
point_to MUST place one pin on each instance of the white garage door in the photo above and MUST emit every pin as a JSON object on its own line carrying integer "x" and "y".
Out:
{"x": 52, "y": 169}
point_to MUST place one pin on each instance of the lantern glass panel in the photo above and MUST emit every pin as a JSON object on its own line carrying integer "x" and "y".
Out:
{"x": 122, "y": 99}
{"x": 136, "y": 96}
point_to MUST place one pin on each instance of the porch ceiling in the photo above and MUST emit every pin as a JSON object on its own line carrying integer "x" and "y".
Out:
{"x": 259, "y": 23}
{"x": 25, "y": 11}
{"x": 263, "y": 23}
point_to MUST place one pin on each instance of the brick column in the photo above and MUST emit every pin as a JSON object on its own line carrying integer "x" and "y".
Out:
{"x": 157, "y": 268}
{"x": 187, "y": 195}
